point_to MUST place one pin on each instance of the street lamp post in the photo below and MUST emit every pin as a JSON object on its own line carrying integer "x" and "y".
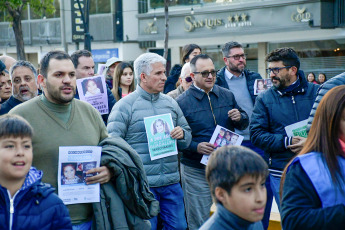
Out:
{"x": 85, "y": 17}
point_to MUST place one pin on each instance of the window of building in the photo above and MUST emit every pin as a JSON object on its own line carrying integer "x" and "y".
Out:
{"x": 99, "y": 6}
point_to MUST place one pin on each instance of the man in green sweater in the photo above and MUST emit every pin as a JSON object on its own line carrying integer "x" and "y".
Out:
{"x": 60, "y": 120}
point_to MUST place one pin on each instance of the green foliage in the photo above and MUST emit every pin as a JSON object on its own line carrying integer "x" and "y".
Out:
{"x": 39, "y": 7}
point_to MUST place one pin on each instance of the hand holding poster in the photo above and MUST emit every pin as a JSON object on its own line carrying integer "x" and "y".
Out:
{"x": 297, "y": 129}
{"x": 222, "y": 137}
{"x": 94, "y": 91}
{"x": 158, "y": 130}
{"x": 74, "y": 162}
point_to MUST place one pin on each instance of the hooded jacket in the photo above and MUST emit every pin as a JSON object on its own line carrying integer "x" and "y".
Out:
{"x": 35, "y": 206}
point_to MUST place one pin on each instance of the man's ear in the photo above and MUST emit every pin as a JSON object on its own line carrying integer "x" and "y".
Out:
{"x": 294, "y": 70}
{"x": 225, "y": 59}
{"x": 193, "y": 76}
{"x": 220, "y": 194}
{"x": 41, "y": 81}
{"x": 143, "y": 77}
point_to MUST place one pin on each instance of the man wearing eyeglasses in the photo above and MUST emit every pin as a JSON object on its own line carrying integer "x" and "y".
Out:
{"x": 185, "y": 81}
{"x": 205, "y": 105}
{"x": 287, "y": 102}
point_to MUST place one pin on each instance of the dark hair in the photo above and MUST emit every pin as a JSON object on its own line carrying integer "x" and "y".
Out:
{"x": 324, "y": 133}
{"x": 311, "y": 74}
{"x": 195, "y": 59}
{"x": 14, "y": 126}
{"x": 187, "y": 50}
{"x": 165, "y": 125}
{"x": 287, "y": 55}
{"x": 55, "y": 54}
{"x": 77, "y": 54}
{"x": 229, "y": 164}
{"x": 117, "y": 78}
{"x": 228, "y": 46}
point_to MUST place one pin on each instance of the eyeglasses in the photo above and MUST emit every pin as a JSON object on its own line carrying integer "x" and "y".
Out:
{"x": 188, "y": 79}
{"x": 205, "y": 74}
{"x": 238, "y": 56}
{"x": 276, "y": 70}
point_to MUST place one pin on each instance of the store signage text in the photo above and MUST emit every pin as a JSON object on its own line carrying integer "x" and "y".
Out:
{"x": 237, "y": 20}
{"x": 301, "y": 15}
{"x": 77, "y": 21}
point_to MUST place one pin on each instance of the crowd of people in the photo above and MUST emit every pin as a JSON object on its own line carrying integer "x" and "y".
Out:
{"x": 42, "y": 111}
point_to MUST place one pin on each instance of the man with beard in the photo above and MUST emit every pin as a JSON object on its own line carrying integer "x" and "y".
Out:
{"x": 60, "y": 120}
{"x": 24, "y": 85}
{"x": 287, "y": 102}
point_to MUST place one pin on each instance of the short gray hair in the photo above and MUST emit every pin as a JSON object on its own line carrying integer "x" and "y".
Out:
{"x": 183, "y": 70}
{"x": 143, "y": 64}
{"x": 23, "y": 64}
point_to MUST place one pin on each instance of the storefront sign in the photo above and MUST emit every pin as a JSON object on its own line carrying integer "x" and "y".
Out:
{"x": 104, "y": 55}
{"x": 151, "y": 28}
{"x": 77, "y": 21}
{"x": 237, "y": 20}
{"x": 301, "y": 15}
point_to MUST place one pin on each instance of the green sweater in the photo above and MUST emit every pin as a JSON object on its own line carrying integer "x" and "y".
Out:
{"x": 84, "y": 127}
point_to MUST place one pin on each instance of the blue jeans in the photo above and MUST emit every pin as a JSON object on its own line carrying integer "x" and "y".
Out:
{"x": 83, "y": 226}
{"x": 275, "y": 185}
{"x": 170, "y": 199}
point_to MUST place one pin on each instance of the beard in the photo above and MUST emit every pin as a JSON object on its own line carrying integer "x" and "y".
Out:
{"x": 236, "y": 68}
{"x": 56, "y": 94}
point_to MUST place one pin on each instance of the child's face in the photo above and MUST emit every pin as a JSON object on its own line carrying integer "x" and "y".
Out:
{"x": 69, "y": 172}
{"x": 15, "y": 158}
{"x": 159, "y": 127}
{"x": 247, "y": 199}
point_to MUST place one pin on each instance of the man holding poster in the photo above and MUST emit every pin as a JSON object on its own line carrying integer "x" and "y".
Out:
{"x": 205, "y": 105}
{"x": 127, "y": 121}
{"x": 59, "y": 121}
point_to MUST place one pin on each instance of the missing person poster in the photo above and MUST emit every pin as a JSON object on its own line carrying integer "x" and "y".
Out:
{"x": 261, "y": 85}
{"x": 222, "y": 137}
{"x": 74, "y": 162}
{"x": 94, "y": 91}
{"x": 158, "y": 130}
{"x": 297, "y": 129}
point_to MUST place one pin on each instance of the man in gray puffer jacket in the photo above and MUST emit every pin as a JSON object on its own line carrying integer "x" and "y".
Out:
{"x": 127, "y": 121}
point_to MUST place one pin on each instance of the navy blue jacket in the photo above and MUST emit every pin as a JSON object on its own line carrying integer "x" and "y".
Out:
{"x": 223, "y": 219}
{"x": 301, "y": 205}
{"x": 273, "y": 110}
{"x": 195, "y": 106}
{"x": 111, "y": 103}
{"x": 250, "y": 77}
{"x": 174, "y": 75}
{"x": 35, "y": 207}
{"x": 8, "y": 105}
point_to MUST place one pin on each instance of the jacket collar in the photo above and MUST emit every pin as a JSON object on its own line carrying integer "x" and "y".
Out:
{"x": 199, "y": 94}
{"x": 299, "y": 89}
{"x": 146, "y": 95}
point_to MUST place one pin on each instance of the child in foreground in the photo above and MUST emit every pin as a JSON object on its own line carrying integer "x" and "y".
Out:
{"x": 236, "y": 176}
{"x": 25, "y": 202}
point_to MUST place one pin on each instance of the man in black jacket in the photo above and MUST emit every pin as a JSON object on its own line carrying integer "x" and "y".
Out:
{"x": 289, "y": 101}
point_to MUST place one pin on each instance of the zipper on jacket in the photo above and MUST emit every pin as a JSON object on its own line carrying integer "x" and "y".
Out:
{"x": 270, "y": 161}
{"x": 11, "y": 207}
{"x": 209, "y": 100}
{"x": 294, "y": 106}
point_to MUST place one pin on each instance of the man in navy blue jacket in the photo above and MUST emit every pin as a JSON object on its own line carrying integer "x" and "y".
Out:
{"x": 204, "y": 105}
{"x": 287, "y": 102}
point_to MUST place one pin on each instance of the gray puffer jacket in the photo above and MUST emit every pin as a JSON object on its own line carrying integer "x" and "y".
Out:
{"x": 127, "y": 121}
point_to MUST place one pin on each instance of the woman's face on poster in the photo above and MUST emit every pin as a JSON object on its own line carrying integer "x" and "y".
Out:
{"x": 159, "y": 127}
{"x": 260, "y": 85}
{"x": 91, "y": 86}
{"x": 69, "y": 172}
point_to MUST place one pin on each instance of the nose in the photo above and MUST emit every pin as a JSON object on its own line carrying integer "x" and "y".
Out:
{"x": 261, "y": 195}
{"x": 20, "y": 151}
{"x": 164, "y": 77}
{"x": 66, "y": 79}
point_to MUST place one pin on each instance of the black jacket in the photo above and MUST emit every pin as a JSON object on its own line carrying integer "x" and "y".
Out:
{"x": 250, "y": 77}
{"x": 8, "y": 105}
{"x": 174, "y": 75}
{"x": 273, "y": 111}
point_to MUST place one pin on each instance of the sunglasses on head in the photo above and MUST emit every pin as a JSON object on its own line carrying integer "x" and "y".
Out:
{"x": 189, "y": 79}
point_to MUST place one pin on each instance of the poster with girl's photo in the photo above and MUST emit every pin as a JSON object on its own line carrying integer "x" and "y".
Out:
{"x": 94, "y": 91}
{"x": 222, "y": 137}
{"x": 158, "y": 130}
{"x": 261, "y": 85}
{"x": 74, "y": 162}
